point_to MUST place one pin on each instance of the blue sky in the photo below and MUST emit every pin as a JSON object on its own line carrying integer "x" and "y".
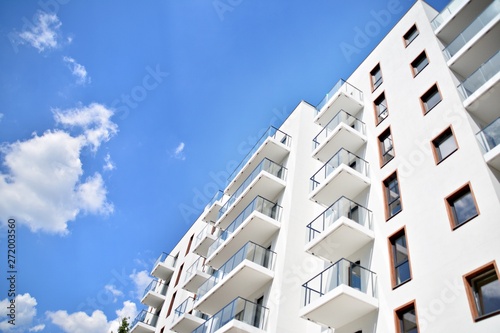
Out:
{"x": 120, "y": 119}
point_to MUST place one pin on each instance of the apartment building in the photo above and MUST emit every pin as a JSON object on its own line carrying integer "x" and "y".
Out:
{"x": 376, "y": 210}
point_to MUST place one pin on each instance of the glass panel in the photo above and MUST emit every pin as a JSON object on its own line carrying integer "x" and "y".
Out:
{"x": 431, "y": 99}
{"x": 446, "y": 146}
{"x": 464, "y": 208}
{"x": 342, "y": 86}
{"x": 411, "y": 35}
{"x": 408, "y": 322}
{"x": 489, "y": 137}
{"x": 477, "y": 79}
{"x": 487, "y": 290}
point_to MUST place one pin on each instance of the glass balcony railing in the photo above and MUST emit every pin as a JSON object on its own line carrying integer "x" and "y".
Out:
{"x": 145, "y": 317}
{"x": 197, "y": 266}
{"x": 240, "y": 309}
{"x": 489, "y": 137}
{"x": 342, "y": 207}
{"x": 207, "y": 230}
{"x": 258, "y": 204}
{"x": 187, "y": 307}
{"x": 217, "y": 196}
{"x": 271, "y": 132}
{"x": 484, "y": 73}
{"x": 167, "y": 259}
{"x": 342, "y": 86}
{"x": 156, "y": 286}
{"x": 340, "y": 117}
{"x": 450, "y": 10}
{"x": 343, "y": 272}
{"x": 250, "y": 251}
{"x": 479, "y": 23}
{"x": 341, "y": 157}
{"x": 266, "y": 165}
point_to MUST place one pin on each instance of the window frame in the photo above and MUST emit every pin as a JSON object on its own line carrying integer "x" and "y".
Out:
{"x": 423, "y": 103}
{"x": 412, "y": 305}
{"x": 391, "y": 241}
{"x": 393, "y": 175}
{"x": 381, "y": 146}
{"x": 375, "y": 107}
{"x": 405, "y": 36}
{"x": 469, "y": 289}
{"x": 374, "y": 85}
{"x": 454, "y": 196}
{"x": 435, "y": 145}
{"x": 412, "y": 64}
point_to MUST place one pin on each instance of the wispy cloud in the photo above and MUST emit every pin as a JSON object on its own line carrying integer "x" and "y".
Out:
{"x": 179, "y": 152}
{"x": 37, "y": 328}
{"x": 108, "y": 163}
{"x": 141, "y": 280}
{"x": 113, "y": 291}
{"x": 77, "y": 70}
{"x": 45, "y": 34}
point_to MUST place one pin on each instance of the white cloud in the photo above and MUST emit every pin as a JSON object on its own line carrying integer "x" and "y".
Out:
{"x": 179, "y": 152}
{"x": 44, "y": 34}
{"x": 128, "y": 311}
{"x": 43, "y": 186}
{"x": 37, "y": 328}
{"x": 108, "y": 163}
{"x": 77, "y": 70}
{"x": 113, "y": 291}
{"x": 141, "y": 280}
{"x": 25, "y": 314}
{"x": 1, "y": 116}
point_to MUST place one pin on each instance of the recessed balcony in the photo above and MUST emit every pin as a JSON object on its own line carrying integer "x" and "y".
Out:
{"x": 196, "y": 275}
{"x": 273, "y": 145}
{"x": 478, "y": 42}
{"x": 154, "y": 294}
{"x": 481, "y": 90}
{"x": 341, "y": 294}
{"x": 489, "y": 139}
{"x": 251, "y": 267}
{"x": 343, "y": 96}
{"x": 145, "y": 322}
{"x": 204, "y": 239}
{"x": 186, "y": 319}
{"x": 257, "y": 222}
{"x": 343, "y": 131}
{"x": 267, "y": 180}
{"x": 211, "y": 211}
{"x": 345, "y": 174}
{"x": 239, "y": 316}
{"x": 341, "y": 230}
{"x": 164, "y": 267}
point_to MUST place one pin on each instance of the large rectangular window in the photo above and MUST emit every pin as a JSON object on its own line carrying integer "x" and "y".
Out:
{"x": 381, "y": 110}
{"x": 385, "y": 146}
{"x": 410, "y": 35}
{"x": 406, "y": 319}
{"x": 461, "y": 206}
{"x": 400, "y": 260}
{"x": 430, "y": 99}
{"x": 483, "y": 291}
{"x": 376, "y": 77}
{"x": 444, "y": 145}
{"x": 392, "y": 196}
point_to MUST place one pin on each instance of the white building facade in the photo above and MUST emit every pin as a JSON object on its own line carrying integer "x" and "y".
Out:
{"x": 375, "y": 211}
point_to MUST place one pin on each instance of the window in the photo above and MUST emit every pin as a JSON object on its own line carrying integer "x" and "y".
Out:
{"x": 392, "y": 196}
{"x": 444, "y": 145}
{"x": 483, "y": 291}
{"x": 461, "y": 206}
{"x": 381, "y": 110}
{"x": 386, "y": 147}
{"x": 401, "y": 272}
{"x": 406, "y": 319}
{"x": 419, "y": 63}
{"x": 410, "y": 35}
{"x": 189, "y": 244}
{"x": 430, "y": 99}
{"x": 376, "y": 77}
{"x": 179, "y": 275}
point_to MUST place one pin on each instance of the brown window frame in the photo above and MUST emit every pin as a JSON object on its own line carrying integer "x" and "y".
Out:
{"x": 393, "y": 175}
{"x": 179, "y": 275}
{"x": 391, "y": 241}
{"x": 452, "y": 198}
{"x": 412, "y": 64}
{"x": 412, "y": 305}
{"x": 469, "y": 289}
{"x": 405, "y": 36}
{"x": 376, "y": 102}
{"x": 426, "y": 110}
{"x": 381, "y": 147}
{"x": 438, "y": 139}
{"x": 189, "y": 244}
{"x": 374, "y": 87}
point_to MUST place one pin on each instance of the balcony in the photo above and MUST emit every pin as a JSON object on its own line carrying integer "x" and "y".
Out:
{"x": 345, "y": 174}
{"x": 258, "y": 222}
{"x": 343, "y": 131}
{"x": 211, "y": 211}
{"x": 186, "y": 319}
{"x": 204, "y": 239}
{"x": 267, "y": 179}
{"x": 196, "y": 275}
{"x": 273, "y": 145}
{"x": 250, "y": 267}
{"x": 489, "y": 139}
{"x": 343, "y": 96}
{"x": 154, "y": 294}
{"x": 481, "y": 91}
{"x": 239, "y": 316}
{"x": 145, "y": 322}
{"x": 341, "y": 230}
{"x": 476, "y": 43}
{"x": 164, "y": 267}
{"x": 341, "y": 294}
